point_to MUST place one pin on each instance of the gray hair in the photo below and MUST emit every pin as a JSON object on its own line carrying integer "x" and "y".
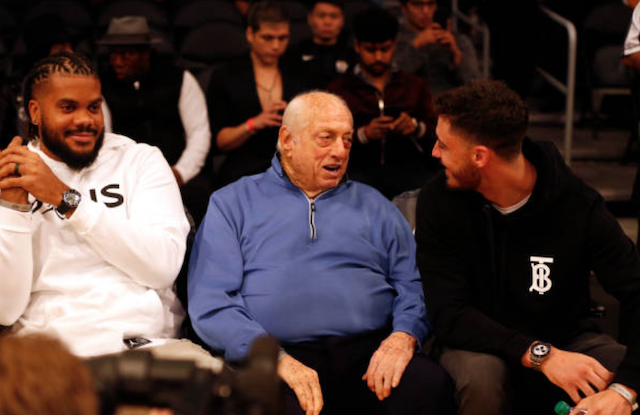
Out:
{"x": 303, "y": 108}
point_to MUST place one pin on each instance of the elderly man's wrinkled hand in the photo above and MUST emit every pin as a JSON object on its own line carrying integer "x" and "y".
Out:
{"x": 388, "y": 363}
{"x": 305, "y": 383}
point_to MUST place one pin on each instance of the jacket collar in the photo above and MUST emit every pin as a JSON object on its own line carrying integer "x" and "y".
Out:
{"x": 553, "y": 175}
{"x": 277, "y": 172}
{"x": 357, "y": 72}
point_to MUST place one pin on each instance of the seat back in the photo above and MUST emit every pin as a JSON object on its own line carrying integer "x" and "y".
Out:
{"x": 197, "y": 12}
{"x": 152, "y": 10}
{"x": 406, "y": 202}
{"x": 210, "y": 43}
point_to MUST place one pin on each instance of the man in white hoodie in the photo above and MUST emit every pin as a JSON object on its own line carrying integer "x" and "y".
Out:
{"x": 92, "y": 227}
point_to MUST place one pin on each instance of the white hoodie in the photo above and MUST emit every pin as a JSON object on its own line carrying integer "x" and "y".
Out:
{"x": 107, "y": 272}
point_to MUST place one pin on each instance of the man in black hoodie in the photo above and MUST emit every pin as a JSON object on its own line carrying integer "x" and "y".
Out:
{"x": 507, "y": 237}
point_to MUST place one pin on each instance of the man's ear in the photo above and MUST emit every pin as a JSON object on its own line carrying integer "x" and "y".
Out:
{"x": 34, "y": 112}
{"x": 285, "y": 138}
{"x": 249, "y": 34}
{"x": 480, "y": 156}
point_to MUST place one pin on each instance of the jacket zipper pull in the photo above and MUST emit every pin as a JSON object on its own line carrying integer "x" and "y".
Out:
{"x": 312, "y": 208}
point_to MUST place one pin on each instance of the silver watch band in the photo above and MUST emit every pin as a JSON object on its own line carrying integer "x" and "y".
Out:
{"x": 538, "y": 352}
{"x": 625, "y": 394}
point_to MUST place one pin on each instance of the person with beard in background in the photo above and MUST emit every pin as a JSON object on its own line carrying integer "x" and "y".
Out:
{"x": 92, "y": 228}
{"x": 393, "y": 112}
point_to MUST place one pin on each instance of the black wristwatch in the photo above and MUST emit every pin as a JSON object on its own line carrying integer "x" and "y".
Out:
{"x": 70, "y": 200}
{"x": 538, "y": 352}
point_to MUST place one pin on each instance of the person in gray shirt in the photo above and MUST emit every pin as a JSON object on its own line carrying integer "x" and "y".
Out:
{"x": 429, "y": 49}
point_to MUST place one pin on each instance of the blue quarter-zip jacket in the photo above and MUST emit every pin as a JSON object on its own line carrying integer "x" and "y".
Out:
{"x": 268, "y": 260}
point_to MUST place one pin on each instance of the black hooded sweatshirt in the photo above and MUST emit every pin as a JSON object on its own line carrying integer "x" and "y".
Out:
{"x": 495, "y": 283}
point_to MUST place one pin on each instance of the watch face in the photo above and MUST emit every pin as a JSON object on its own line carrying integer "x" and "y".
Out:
{"x": 72, "y": 198}
{"x": 540, "y": 350}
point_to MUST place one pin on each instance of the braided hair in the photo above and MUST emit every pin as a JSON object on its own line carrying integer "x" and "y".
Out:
{"x": 61, "y": 62}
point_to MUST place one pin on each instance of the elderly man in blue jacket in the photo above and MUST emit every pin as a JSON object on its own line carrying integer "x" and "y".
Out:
{"x": 325, "y": 265}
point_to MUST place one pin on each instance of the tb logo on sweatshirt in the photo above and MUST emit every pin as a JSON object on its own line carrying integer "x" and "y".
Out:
{"x": 540, "y": 271}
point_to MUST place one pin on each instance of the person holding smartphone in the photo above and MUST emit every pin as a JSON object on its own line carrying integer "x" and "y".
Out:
{"x": 246, "y": 97}
{"x": 428, "y": 47}
{"x": 392, "y": 109}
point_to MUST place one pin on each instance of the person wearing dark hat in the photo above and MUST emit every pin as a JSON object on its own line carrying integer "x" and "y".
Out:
{"x": 327, "y": 54}
{"x": 158, "y": 103}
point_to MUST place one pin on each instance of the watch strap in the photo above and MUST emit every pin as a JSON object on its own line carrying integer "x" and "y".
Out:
{"x": 64, "y": 207}
{"x": 625, "y": 394}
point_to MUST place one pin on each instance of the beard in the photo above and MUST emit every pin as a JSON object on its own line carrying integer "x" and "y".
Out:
{"x": 75, "y": 160}
{"x": 377, "y": 68}
{"x": 467, "y": 178}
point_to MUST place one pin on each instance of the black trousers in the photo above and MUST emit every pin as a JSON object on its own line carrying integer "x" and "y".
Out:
{"x": 425, "y": 388}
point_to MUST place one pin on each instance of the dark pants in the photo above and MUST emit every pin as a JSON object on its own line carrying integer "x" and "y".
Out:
{"x": 341, "y": 362}
{"x": 486, "y": 385}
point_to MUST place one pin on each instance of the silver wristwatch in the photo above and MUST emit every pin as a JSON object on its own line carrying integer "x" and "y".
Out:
{"x": 70, "y": 200}
{"x": 538, "y": 353}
